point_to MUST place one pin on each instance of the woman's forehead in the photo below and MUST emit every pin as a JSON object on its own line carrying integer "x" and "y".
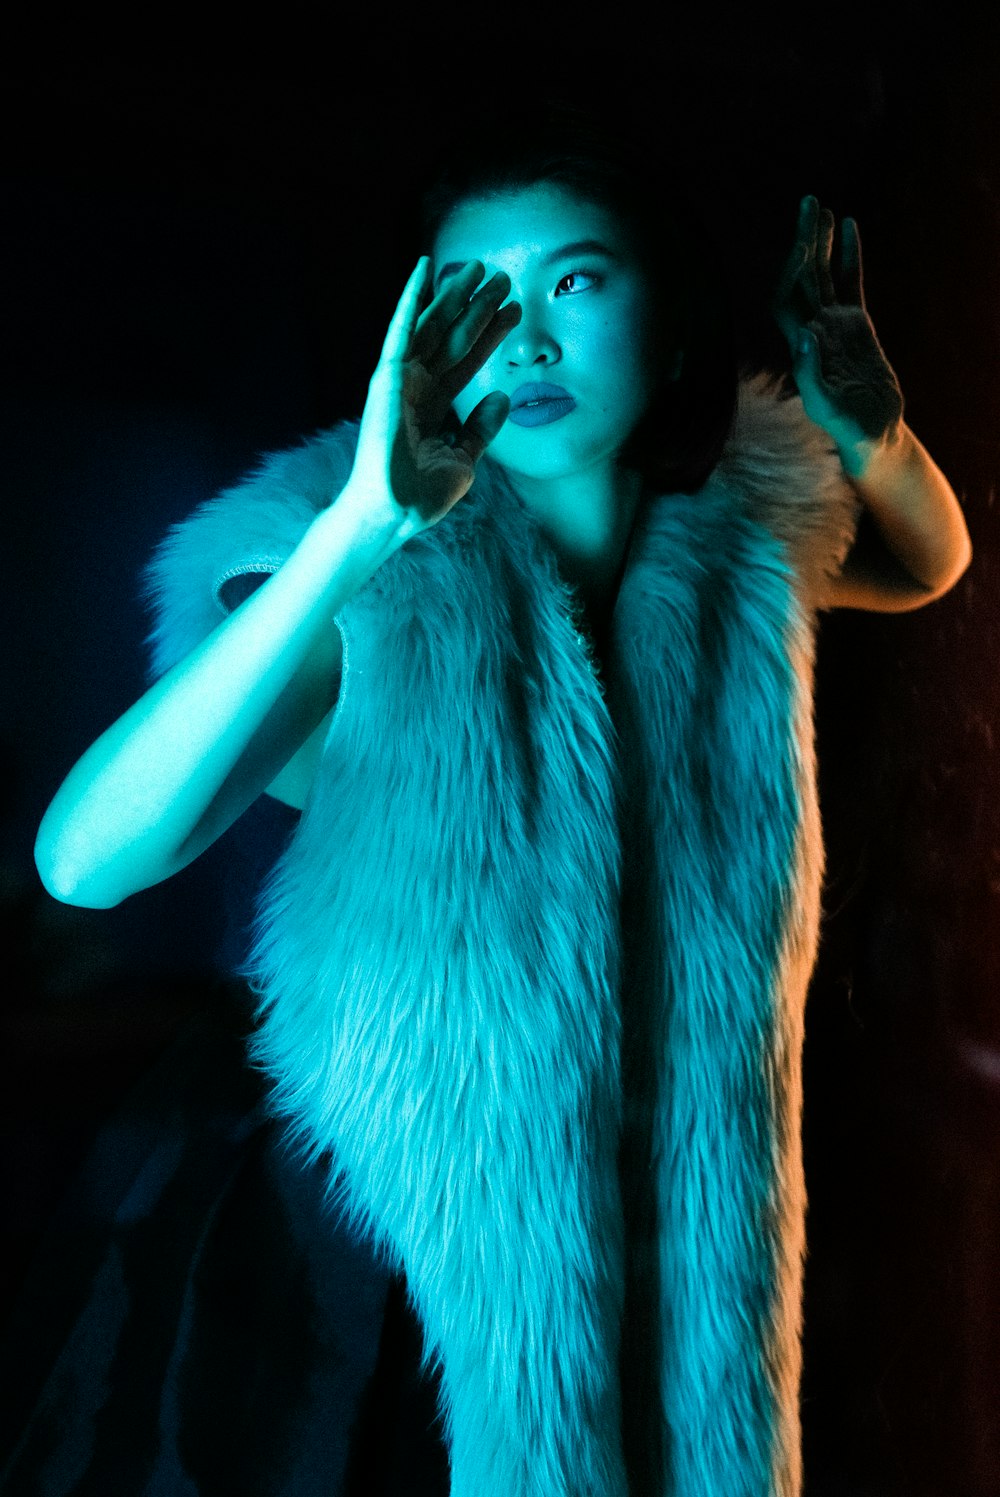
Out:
{"x": 524, "y": 224}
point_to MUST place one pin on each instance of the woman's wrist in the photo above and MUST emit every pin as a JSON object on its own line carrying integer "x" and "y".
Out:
{"x": 363, "y": 524}
{"x": 871, "y": 456}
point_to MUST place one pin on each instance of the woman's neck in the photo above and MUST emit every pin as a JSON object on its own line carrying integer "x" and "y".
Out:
{"x": 588, "y": 519}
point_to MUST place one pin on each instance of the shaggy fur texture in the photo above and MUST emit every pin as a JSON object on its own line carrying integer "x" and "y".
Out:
{"x": 533, "y": 968}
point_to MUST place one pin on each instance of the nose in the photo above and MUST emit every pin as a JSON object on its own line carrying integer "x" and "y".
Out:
{"x": 531, "y": 342}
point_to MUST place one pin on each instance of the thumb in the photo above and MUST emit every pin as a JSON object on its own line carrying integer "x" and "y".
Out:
{"x": 484, "y": 423}
{"x": 808, "y": 362}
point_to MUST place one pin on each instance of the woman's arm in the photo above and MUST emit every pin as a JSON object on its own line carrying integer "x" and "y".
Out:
{"x": 912, "y": 543}
{"x": 180, "y": 765}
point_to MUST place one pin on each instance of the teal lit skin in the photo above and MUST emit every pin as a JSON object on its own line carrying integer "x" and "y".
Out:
{"x": 847, "y": 384}
{"x": 589, "y": 327}
{"x": 586, "y": 324}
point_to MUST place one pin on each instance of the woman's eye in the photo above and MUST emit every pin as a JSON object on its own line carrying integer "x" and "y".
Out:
{"x": 575, "y": 282}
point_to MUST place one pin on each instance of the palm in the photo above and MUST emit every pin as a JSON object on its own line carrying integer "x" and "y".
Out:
{"x": 427, "y": 469}
{"x": 410, "y": 438}
{"x": 855, "y": 390}
{"x": 847, "y": 384}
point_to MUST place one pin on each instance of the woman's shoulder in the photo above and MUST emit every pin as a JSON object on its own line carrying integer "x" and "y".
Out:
{"x": 246, "y": 530}
{"x": 308, "y": 466}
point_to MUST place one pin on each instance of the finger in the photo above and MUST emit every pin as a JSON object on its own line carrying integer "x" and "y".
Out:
{"x": 789, "y": 304}
{"x": 809, "y": 365}
{"x": 483, "y": 424}
{"x": 852, "y": 278}
{"x": 796, "y": 299}
{"x": 404, "y": 319}
{"x": 442, "y": 311}
{"x": 474, "y": 320}
{"x": 824, "y": 249}
{"x": 808, "y": 233}
{"x": 484, "y": 347}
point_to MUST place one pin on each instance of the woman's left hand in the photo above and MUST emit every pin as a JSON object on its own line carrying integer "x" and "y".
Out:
{"x": 847, "y": 384}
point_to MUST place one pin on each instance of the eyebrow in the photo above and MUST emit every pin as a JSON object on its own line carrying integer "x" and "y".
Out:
{"x": 577, "y": 247}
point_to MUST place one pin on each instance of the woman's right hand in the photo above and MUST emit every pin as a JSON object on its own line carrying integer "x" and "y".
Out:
{"x": 410, "y": 447}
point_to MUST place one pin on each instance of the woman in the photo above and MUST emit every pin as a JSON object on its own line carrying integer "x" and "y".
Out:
{"x": 531, "y": 972}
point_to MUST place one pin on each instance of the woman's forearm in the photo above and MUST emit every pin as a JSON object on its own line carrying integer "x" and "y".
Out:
{"x": 914, "y": 507}
{"x": 185, "y": 760}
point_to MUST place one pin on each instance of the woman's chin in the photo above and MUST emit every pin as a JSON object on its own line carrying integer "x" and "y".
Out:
{"x": 549, "y": 459}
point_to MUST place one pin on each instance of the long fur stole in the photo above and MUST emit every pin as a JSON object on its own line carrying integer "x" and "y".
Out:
{"x": 533, "y": 968}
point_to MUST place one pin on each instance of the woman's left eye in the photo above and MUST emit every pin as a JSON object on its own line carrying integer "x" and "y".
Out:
{"x": 574, "y": 282}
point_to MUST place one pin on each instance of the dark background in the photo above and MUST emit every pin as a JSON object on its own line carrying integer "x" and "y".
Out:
{"x": 199, "y": 260}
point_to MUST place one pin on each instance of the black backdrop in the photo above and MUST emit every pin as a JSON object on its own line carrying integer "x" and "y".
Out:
{"x": 199, "y": 260}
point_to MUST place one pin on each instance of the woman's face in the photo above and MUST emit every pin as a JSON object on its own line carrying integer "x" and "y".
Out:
{"x": 580, "y": 365}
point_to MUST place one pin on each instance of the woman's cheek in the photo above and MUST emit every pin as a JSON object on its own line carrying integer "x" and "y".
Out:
{"x": 633, "y": 360}
{"x": 468, "y": 398}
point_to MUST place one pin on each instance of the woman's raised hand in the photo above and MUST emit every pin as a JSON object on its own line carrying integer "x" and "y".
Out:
{"x": 847, "y": 384}
{"x": 411, "y": 445}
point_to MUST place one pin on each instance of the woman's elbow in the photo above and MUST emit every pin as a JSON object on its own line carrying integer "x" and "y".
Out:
{"x": 966, "y": 558}
{"x": 960, "y": 564}
{"x": 68, "y": 880}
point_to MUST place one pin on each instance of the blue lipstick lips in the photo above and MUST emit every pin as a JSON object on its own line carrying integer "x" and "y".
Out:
{"x": 539, "y": 403}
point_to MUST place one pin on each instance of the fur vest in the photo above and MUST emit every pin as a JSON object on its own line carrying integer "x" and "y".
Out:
{"x": 532, "y": 970}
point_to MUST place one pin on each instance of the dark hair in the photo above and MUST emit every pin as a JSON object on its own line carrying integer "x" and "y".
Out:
{"x": 677, "y": 442}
